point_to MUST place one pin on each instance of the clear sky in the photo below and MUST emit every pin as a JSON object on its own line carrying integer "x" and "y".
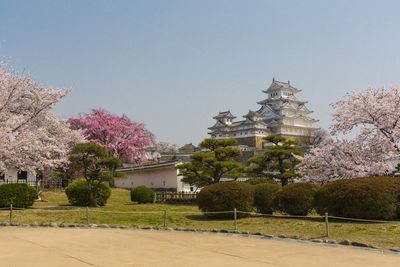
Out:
{"x": 175, "y": 64}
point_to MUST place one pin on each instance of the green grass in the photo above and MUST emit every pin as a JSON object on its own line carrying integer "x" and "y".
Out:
{"x": 55, "y": 208}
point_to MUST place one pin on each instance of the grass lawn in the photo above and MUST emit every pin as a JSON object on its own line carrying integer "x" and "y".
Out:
{"x": 55, "y": 208}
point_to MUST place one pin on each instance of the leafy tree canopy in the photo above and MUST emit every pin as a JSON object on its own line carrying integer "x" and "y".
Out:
{"x": 215, "y": 161}
{"x": 122, "y": 137}
{"x": 278, "y": 161}
{"x": 94, "y": 164}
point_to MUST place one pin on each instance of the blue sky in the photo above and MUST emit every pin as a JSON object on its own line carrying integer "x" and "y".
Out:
{"x": 175, "y": 64}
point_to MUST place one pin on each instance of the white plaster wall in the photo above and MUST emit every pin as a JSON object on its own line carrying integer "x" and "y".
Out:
{"x": 12, "y": 174}
{"x": 182, "y": 187}
{"x": 165, "y": 177}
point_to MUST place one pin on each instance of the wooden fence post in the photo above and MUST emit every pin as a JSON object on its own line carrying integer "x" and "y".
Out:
{"x": 11, "y": 209}
{"x": 165, "y": 218}
{"x": 235, "y": 219}
{"x": 87, "y": 216}
{"x": 326, "y": 225}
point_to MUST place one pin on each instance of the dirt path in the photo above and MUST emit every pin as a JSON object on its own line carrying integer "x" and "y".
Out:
{"x": 109, "y": 247}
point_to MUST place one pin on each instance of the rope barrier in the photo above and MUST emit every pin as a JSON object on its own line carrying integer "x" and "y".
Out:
{"x": 218, "y": 212}
{"x": 44, "y": 210}
{"x": 280, "y": 216}
{"x": 361, "y": 220}
{"x": 199, "y": 213}
{"x": 315, "y": 217}
{"x": 128, "y": 212}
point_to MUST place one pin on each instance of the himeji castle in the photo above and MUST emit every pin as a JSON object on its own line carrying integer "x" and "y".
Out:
{"x": 280, "y": 113}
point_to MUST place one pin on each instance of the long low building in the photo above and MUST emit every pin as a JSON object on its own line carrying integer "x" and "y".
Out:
{"x": 161, "y": 176}
{"x": 14, "y": 175}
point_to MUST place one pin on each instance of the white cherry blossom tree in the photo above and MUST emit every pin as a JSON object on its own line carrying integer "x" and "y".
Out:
{"x": 374, "y": 114}
{"x": 32, "y": 137}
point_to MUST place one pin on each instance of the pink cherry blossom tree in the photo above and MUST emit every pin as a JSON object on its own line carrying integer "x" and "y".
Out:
{"x": 374, "y": 114}
{"x": 122, "y": 137}
{"x": 32, "y": 137}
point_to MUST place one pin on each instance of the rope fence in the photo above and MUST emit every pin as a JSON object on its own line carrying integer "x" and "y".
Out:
{"x": 165, "y": 214}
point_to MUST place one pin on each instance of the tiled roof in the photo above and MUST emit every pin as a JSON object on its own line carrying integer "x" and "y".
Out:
{"x": 148, "y": 166}
{"x": 224, "y": 114}
{"x": 275, "y": 85}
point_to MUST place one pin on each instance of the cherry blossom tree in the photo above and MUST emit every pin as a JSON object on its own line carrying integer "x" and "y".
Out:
{"x": 341, "y": 158}
{"x": 166, "y": 148}
{"x": 122, "y": 137}
{"x": 32, "y": 137}
{"x": 375, "y": 115}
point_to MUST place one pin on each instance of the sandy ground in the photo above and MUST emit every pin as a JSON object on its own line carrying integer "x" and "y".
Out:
{"x": 111, "y": 247}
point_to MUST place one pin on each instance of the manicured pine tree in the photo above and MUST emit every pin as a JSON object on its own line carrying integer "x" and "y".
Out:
{"x": 216, "y": 160}
{"x": 278, "y": 161}
{"x": 94, "y": 164}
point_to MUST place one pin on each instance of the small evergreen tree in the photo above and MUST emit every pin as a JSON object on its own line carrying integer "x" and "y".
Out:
{"x": 278, "y": 161}
{"x": 94, "y": 164}
{"x": 215, "y": 160}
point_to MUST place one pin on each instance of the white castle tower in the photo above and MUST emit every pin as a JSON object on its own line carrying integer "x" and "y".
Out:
{"x": 280, "y": 113}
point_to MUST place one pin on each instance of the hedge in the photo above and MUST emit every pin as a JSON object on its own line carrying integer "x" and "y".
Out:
{"x": 226, "y": 197}
{"x": 19, "y": 195}
{"x": 362, "y": 198}
{"x": 264, "y": 195}
{"x": 143, "y": 194}
{"x": 296, "y": 199}
{"x": 260, "y": 180}
{"x": 78, "y": 193}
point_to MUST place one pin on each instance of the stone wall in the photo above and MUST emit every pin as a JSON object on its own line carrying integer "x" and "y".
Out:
{"x": 253, "y": 141}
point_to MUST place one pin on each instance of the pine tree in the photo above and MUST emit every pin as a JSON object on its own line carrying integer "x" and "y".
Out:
{"x": 278, "y": 161}
{"x": 216, "y": 160}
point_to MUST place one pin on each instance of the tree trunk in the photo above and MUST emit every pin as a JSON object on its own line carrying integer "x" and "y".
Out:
{"x": 92, "y": 200}
{"x": 284, "y": 181}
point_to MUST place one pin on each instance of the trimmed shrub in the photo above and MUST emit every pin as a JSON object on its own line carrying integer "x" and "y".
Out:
{"x": 19, "y": 195}
{"x": 102, "y": 194}
{"x": 143, "y": 194}
{"x": 259, "y": 180}
{"x": 362, "y": 198}
{"x": 78, "y": 193}
{"x": 296, "y": 199}
{"x": 264, "y": 195}
{"x": 226, "y": 197}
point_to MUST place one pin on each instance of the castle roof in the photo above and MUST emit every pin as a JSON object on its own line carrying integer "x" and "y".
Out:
{"x": 283, "y": 99}
{"x": 224, "y": 114}
{"x": 278, "y": 85}
{"x": 252, "y": 114}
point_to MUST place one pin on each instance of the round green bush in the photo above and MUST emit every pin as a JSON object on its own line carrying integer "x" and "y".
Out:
{"x": 78, "y": 193}
{"x": 102, "y": 194}
{"x": 362, "y": 198}
{"x": 19, "y": 195}
{"x": 226, "y": 197}
{"x": 264, "y": 195}
{"x": 143, "y": 194}
{"x": 295, "y": 199}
